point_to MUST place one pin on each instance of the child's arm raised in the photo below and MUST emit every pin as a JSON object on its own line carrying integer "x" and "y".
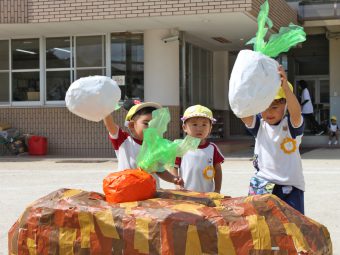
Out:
{"x": 248, "y": 121}
{"x": 218, "y": 178}
{"x": 110, "y": 125}
{"x": 293, "y": 104}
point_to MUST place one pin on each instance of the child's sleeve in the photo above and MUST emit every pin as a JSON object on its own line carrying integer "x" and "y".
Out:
{"x": 218, "y": 156}
{"x": 118, "y": 138}
{"x": 254, "y": 128}
{"x": 296, "y": 131}
{"x": 178, "y": 162}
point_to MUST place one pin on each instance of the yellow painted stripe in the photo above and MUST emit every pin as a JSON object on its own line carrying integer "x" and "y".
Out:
{"x": 141, "y": 238}
{"x": 225, "y": 245}
{"x": 299, "y": 241}
{"x": 259, "y": 232}
{"x": 185, "y": 193}
{"x": 106, "y": 224}
{"x": 32, "y": 247}
{"x": 193, "y": 244}
{"x": 189, "y": 208}
{"x": 128, "y": 206}
{"x": 67, "y": 237}
{"x": 248, "y": 199}
{"x": 214, "y": 195}
{"x": 71, "y": 193}
{"x": 86, "y": 227}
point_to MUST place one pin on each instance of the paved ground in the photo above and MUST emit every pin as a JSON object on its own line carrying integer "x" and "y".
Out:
{"x": 23, "y": 180}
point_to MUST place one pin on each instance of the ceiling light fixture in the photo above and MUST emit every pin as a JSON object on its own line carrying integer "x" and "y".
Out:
{"x": 60, "y": 49}
{"x": 26, "y": 51}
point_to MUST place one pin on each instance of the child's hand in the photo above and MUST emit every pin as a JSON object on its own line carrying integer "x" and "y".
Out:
{"x": 282, "y": 73}
{"x": 178, "y": 181}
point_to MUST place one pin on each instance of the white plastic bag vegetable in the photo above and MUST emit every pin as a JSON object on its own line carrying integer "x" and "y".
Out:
{"x": 253, "y": 84}
{"x": 93, "y": 97}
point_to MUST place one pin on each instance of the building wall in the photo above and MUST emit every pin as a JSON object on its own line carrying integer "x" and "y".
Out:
{"x": 161, "y": 68}
{"x": 334, "y": 76}
{"x": 68, "y": 134}
{"x": 221, "y": 80}
{"x": 39, "y": 11}
{"x": 13, "y": 11}
{"x": 279, "y": 12}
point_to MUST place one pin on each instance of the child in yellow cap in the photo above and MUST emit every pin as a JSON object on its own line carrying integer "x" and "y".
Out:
{"x": 127, "y": 145}
{"x": 277, "y": 158}
{"x": 201, "y": 168}
{"x": 333, "y": 131}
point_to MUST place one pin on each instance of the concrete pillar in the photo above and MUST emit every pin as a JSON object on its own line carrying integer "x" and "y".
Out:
{"x": 334, "y": 76}
{"x": 221, "y": 80}
{"x": 161, "y": 68}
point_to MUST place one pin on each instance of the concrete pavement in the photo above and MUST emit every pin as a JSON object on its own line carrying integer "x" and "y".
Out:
{"x": 25, "y": 179}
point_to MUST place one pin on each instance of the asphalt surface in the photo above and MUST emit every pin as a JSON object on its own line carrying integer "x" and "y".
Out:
{"x": 25, "y": 179}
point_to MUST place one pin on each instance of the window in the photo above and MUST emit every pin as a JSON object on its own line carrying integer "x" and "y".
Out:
{"x": 25, "y": 70}
{"x": 37, "y": 71}
{"x": 4, "y": 72}
{"x": 198, "y": 76}
{"x": 127, "y": 64}
{"x": 58, "y": 67}
{"x": 90, "y": 56}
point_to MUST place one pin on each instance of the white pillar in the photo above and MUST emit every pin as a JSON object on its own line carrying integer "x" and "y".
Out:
{"x": 221, "y": 80}
{"x": 334, "y": 76}
{"x": 161, "y": 68}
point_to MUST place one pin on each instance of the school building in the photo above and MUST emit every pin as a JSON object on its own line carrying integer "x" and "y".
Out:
{"x": 174, "y": 52}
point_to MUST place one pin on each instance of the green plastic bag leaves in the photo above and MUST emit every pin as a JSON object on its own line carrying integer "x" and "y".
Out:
{"x": 278, "y": 43}
{"x": 284, "y": 40}
{"x": 160, "y": 120}
{"x": 157, "y": 152}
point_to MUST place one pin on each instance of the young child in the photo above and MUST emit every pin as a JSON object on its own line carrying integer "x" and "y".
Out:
{"x": 277, "y": 158}
{"x": 128, "y": 145}
{"x": 333, "y": 131}
{"x": 201, "y": 168}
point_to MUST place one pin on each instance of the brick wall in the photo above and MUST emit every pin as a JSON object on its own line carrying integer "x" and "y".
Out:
{"x": 13, "y": 11}
{"x": 279, "y": 12}
{"x": 39, "y": 11}
{"x": 68, "y": 10}
{"x": 69, "y": 135}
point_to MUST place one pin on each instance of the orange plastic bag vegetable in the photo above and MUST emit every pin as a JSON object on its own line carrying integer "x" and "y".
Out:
{"x": 128, "y": 186}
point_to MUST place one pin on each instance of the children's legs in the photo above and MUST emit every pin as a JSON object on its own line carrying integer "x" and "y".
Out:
{"x": 336, "y": 138}
{"x": 330, "y": 137}
{"x": 295, "y": 198}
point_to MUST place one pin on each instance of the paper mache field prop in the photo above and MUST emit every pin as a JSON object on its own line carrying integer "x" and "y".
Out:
{"x": 93, "y": 98}
{"x": 156, "y": 153}
{"x": 254, "y": 80}
{"x": 69, "y": 221}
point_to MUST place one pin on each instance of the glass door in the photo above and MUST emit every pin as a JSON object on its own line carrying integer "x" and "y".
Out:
{"x": 318, "y": 87}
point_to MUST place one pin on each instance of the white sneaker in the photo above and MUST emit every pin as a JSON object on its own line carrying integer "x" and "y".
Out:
{"x": 336, "y": 142}
{"x": 329, "y": 143}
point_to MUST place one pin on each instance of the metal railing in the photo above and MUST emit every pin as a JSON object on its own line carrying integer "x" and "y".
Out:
{"x": 316, "y": 9}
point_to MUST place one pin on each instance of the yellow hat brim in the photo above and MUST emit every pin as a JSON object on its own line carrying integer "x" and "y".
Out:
{"x": 134, "y": 109}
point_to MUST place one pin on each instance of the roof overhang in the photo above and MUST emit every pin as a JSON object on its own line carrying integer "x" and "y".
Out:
{"x": 236, "y": 27}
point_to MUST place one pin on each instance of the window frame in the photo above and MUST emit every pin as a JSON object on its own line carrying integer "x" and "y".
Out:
{"x": 41, "y": 81}
{"x": 43, "y": 102}
{"x": 70, "y": 69}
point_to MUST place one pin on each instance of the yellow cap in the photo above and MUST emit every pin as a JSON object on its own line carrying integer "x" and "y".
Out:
{"x": 281, "y": 94}
{"x": 134, "y": 109}
{"x": 198, "y": 111}
{"x": 333, "y": 117}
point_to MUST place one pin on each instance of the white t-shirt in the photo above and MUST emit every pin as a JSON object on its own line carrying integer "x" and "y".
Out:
{"x": 196, "y": 167}
{"x": 127, "y": 149}
{"x": 307, "y": 107}
{"x": 333, "y": 128}
{"x": 277, "y": 157}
